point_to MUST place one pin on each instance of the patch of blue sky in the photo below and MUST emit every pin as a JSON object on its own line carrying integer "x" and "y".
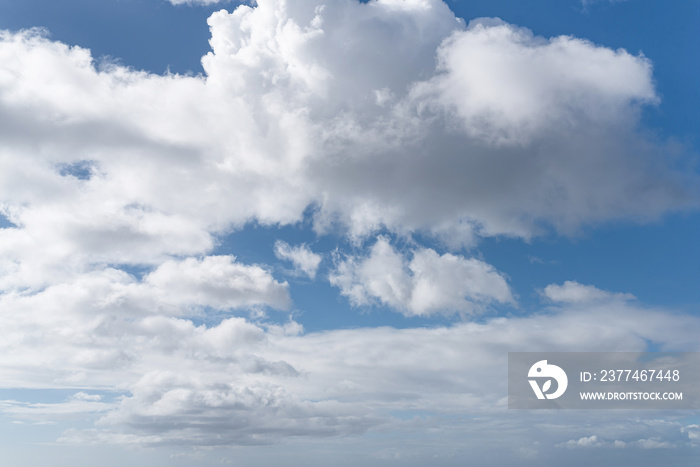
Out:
{"x": 35, "y": 446}
{"x": 38, "y": 419}
{"x": 659, "y": 263}
{"x": 5, "y": 223}
{"x": 82, "y": 170}
{"x": 53, "y": 395}
{"x": 150, "y": 35}
{"x": 136, "y": 270}
{"x": 317, "y": 305}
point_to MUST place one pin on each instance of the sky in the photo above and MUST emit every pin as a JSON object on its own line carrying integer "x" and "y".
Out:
{"x": 301, "y": 233}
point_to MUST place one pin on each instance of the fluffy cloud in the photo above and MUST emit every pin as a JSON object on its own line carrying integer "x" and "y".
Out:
{"x": 385, "y": 114}
{"x": 215, "y": 281}
{"x": 305, "y": 261}
{"x": 428, "y": 284}
{"x": 511, "y": 97}
{"x": 693, "y": 433}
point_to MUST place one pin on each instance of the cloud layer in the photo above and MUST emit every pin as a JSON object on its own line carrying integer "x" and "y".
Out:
{"x": 239, "y": 383}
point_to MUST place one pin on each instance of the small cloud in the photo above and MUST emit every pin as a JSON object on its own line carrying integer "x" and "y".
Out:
{"x": 528, "y": 452}
{"x": 305, "y": 261}
{"x": 589, "y": 442}
{"x": 653, "y": 444}
{"x": 573, "y": 292}
{"x": 537, "y": 260}
{"x": 586, "y": 3}
{"x": 83, "y": 396}
{"x": 197, "y": 2}
{"x": 693, "y": 432}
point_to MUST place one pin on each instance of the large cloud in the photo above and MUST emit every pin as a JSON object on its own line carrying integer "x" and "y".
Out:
{"x": 386, "y": 114}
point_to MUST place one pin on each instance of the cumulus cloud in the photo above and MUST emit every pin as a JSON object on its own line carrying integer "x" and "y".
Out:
{"x": 429, "y": 283}
{"x": 525, "y": 100}
{"x": 305, "y": 261}
{"x": 216, "y": 281}
{"x": 573, "y": 292}
{"x": 385, "y": 114}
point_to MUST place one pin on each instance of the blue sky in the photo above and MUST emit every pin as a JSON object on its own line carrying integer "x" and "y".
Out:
{"x": 244, "y": 234}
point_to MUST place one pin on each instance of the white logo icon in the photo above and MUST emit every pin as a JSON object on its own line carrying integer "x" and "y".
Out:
{"x": 542, "y": 370}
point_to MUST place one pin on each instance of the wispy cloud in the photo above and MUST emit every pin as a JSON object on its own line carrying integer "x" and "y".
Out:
{"x": 305, "y": 261}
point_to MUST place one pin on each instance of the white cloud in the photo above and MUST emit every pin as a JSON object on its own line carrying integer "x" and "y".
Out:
{"x": 251, "y": 383}
{"x": 197, "y": 2}
{"x": 216, "y": 281}
{"x": 589, "y": 442}
{"x": 338, "y": 106}
{"x": 258, "y": 383}
{"x": 83, "y": 396}
{"x": 591, "y": 2}
{"x": 50, "y": 412}
{"x": 573, "y": 292}
{"x": 305, "y": 261}
{"x": 693, "y": 433}
{"x": 512, "y": 96}
{"x": 427, "y": 284}
{"x": 653, "y": 444}
{"x": 594, "y": 441}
